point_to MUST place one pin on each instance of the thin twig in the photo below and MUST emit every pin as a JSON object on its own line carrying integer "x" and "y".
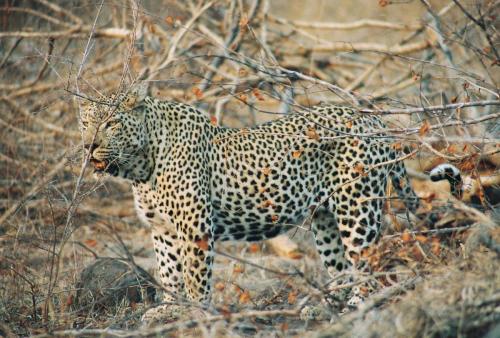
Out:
{"x": 432, "y": 108}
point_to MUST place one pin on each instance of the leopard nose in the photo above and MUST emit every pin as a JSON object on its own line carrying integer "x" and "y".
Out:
{"x": 91, "y": 147}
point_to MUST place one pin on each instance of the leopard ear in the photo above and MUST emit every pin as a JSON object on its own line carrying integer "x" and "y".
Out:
{"x": 136, "y": 95}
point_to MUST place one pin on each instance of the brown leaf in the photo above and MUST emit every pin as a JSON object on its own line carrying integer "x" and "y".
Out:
{"x": 254, "y": 248}
{"x": 244, "y": 297}
{"x": 424, "y": 128}
{"x": 91, "y": 242}
{"x": 197, "y": 92}
{"x": 421, "y": 238}
{"x": 429, "y": 198}
{"x": 257, "y": 94}
{"x": 292, "y": 297}
{"x": 397, "y": 146}
{"x": 243, "y": 98}
{"x": 213, "y": 120}
{"x": 312, "y": 134}
{"x": 417, "y": 253}
{"x": 169, "y": 20}
{"x": 219, "y": 286}
{"x": 267, "y": 204}
{"x": 203, "y": 243}
{"x": 242, "y": 72}
{"x": 294, "y": 254}
{"x": 435, "y": 246}
{"x": 266, "y": 171}
{"x": 359, "y": 168}
{"x": 238, "y": 268}
{"x": 468, "y": 164}
{"x": 296, "y": 153}
{"x": 69, "y": 300}
{"x": 152, "y": 28}
{"x": 406, "y": 237}
{"x": 243, "y": 22}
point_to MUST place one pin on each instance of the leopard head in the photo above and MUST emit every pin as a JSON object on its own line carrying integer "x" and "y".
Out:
{"x": 114, "y": 132}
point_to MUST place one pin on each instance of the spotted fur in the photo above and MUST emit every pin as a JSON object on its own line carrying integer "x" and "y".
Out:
{"x": 195, "y": 183}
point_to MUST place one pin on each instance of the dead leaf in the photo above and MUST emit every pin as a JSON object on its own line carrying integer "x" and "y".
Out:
{"x": 254, "y": 248}
{"x": 292, "y": 297}
{"x": 359, "y": 168}
{"x": 417, "y": 253}
{"x": 238, "y": 268}
{"x": 244, "y": 297}
{"x": 257, "y": 94}
{"x": 312, "y": 134}
{"x": 424, "y": 128}
{"x": 213, "y": 121}
{"x": 397, "y": 146}
{"x": 468, "y": 164}
{"x": 296, "y": 153}
{"x": 152, "y": 28}
{"x": 429, "y": 198}
{"x": 295, "y": 254}
{"x": 435, "y": 246}
{"x": 197, "y": 92}
{"x": 266, "y": 171}
{"x": 406, "y": 237}
{"x": 203, "y": 243}
{"x": 243, "y": 98}
{"x": 219, "y": 286}
{"x": 267, "y": 204}
{"x": 421, "y": 238}
{"x": 91, "y": 242}
{"x": 169, "y": 20}
{"x": 243, "y": 22}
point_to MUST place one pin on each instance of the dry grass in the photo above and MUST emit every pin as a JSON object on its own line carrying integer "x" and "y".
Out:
{"x": 437, "y": 274}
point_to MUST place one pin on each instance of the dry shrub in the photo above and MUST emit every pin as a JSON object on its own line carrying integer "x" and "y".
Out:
{"x": 243, "y": 62}
{"x": 460, "y": 298}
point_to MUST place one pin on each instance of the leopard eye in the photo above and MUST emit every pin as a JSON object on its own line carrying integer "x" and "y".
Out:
{"x": 110, "y": 123}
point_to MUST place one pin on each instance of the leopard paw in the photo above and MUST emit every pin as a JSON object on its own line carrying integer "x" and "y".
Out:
{"x": 167, "y": 313}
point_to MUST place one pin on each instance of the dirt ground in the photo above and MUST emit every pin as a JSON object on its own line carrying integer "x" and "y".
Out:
{"x": 243, "y": 63}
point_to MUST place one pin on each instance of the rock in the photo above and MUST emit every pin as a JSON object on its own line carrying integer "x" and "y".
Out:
{"x": 107, "y": 282}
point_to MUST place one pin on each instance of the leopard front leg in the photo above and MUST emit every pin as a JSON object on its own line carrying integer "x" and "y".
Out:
{"x": 168, "y": 249}
{"x": 185, "y": 258}
{"x": 169, "y": 260}
{"x": 194, "y": 227}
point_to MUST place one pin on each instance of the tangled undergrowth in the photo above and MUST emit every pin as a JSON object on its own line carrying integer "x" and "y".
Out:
{"x": 430, "y": 68}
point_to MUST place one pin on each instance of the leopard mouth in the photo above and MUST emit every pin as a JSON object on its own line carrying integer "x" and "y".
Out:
{"x": 99, "y": 165}
{"x": 104, "y": 166}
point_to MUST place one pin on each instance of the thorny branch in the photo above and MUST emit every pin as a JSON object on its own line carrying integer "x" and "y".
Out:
{"x": 425, "y": 77}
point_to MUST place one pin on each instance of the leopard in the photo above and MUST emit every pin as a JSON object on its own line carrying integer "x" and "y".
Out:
{"x": 196, "y": 182}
